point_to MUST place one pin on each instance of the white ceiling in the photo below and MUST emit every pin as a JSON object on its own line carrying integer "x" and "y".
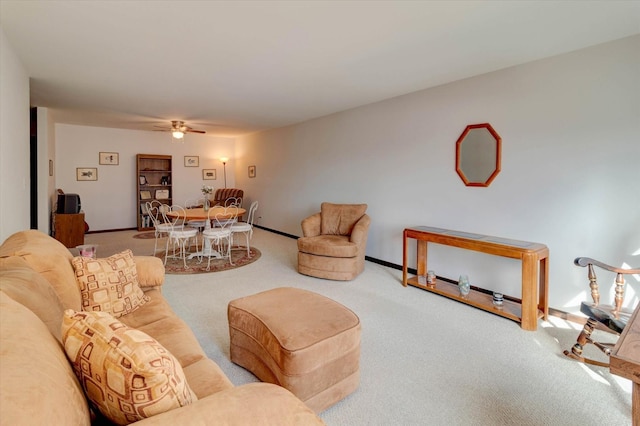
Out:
{"x": 236, "y": 67}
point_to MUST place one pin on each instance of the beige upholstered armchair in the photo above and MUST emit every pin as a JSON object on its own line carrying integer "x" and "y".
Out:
{"x": 334, "y": 242}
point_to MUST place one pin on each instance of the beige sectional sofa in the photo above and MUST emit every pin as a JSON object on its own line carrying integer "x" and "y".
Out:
{"x": 37, "y": 381}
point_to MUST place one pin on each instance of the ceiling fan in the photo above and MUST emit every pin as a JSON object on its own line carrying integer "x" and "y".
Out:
{"x": 178, "y": 129}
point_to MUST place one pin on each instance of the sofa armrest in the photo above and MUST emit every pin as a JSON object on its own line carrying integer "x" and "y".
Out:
{"x": 150, "y": 271}
{"x": 360, "y": 231}
{"x": 251, "y": 404}
{"x": 311, "y": 225}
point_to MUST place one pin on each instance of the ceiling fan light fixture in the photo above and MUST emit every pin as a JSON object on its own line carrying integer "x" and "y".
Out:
{"x": 177, "y": 134}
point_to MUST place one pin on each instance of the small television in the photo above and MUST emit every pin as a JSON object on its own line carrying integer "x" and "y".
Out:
{"x": 68, "y": 204}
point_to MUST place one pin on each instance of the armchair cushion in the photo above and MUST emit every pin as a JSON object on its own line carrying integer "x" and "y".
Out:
{"x": 339, "y": 219}
{"x": 328, "y": 245}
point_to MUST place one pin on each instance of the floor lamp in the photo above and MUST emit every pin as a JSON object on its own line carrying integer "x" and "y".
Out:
{"x": 224, "y": 166}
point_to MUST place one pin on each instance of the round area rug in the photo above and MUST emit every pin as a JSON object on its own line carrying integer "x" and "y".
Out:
{"x": 194, "y": 266}
{"x": 145, "y": 235}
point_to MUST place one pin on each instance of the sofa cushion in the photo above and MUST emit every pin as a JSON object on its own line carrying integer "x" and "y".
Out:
{"x": 37, "y": 382}
{"x": 127, "y": 374}
{"x": 150, "y": 271}
{"x": 339, "y": 219}
{"x": 29, "y": 288}
{"x": 109, "y": 284}
{"x": 157, "y": 319}
{"x": 50, "y": 258}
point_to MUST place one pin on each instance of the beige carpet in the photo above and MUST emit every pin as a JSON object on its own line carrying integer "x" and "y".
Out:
{"x": 425, "y": 359}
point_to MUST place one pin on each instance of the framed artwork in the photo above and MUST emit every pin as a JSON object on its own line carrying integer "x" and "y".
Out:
{"x": 109, "y": 158}
{"x": 86, "y": 173}
{"x": 209, "y": 174}
{"x": 162, "y": 194}
{"x": 191, "y": 161}
{"x": 142, "y": 179}
{"x": 252, "y": 171}
{"x": 145, "y": 195}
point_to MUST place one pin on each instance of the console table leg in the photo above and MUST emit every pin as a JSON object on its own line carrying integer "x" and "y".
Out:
{"x": 422, "y": 257}
{"x": 543, "y": 288}
{"x": 529, "y": 292}
{"x": 404, "y": 258}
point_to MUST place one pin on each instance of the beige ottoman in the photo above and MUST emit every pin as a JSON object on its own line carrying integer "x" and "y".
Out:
{"x": 300, "y": 340}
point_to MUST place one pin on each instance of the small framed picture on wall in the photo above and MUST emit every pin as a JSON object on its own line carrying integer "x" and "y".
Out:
{"x": 86, "y": 173}
{"x": 191, "y": 161}
{"x": 252, "y": 171}
{"x": 109, "y": 158}
{"x": 209, "y": 174}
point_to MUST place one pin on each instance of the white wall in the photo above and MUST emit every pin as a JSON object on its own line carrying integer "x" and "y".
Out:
{"x": 110, "y": 202}
{"x": 14, "y": 142}
{"x": 570, "y": 174}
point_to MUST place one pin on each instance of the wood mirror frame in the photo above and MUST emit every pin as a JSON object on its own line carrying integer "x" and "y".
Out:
{"x": 478, "y": 152}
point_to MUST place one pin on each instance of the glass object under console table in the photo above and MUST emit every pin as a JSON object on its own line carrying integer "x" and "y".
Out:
{"x": 535, "y": 272}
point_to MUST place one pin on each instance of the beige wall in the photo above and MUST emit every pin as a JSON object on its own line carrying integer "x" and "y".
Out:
{"x": 14, "y": 142}
{"x": 110, "y": 202}
{"x": 570, "y": 167}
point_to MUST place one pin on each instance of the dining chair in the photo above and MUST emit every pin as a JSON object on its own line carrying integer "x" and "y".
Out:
{"x": 232, "y": 202}
{"x": 220, "y": 234}
{"x": 245, "y": 228}
{"x": 180, "y": 235}
{"x": 155, "y": 210}
{"x": 199, "y": 224}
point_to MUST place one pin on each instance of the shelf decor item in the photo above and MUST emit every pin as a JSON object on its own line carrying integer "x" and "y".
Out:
{"x": 431, "y": 278}
{"x": 498, "y": 299}
{"x": 162, "y": 194}
{"x": 464, "y": 286}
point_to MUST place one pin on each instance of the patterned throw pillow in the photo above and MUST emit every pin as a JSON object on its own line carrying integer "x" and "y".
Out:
{"x": 125, "y": 373}
{"x": 109, "y": 284}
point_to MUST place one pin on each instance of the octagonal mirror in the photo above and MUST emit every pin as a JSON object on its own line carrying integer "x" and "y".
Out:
{"x": 478, "y": 155}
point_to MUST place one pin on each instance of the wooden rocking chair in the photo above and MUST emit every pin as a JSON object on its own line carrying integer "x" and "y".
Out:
{"x": 613, "y": 317}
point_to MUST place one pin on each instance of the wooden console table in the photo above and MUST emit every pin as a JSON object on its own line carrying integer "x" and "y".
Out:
{"x": 535, "y": 272}
{"x": 625, "y": 361}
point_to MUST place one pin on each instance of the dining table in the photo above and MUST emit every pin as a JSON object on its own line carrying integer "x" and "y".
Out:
{"x": 199, "y": 213}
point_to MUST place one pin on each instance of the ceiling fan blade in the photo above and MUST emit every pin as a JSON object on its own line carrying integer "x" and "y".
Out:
{"x": 195, "y": 131}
